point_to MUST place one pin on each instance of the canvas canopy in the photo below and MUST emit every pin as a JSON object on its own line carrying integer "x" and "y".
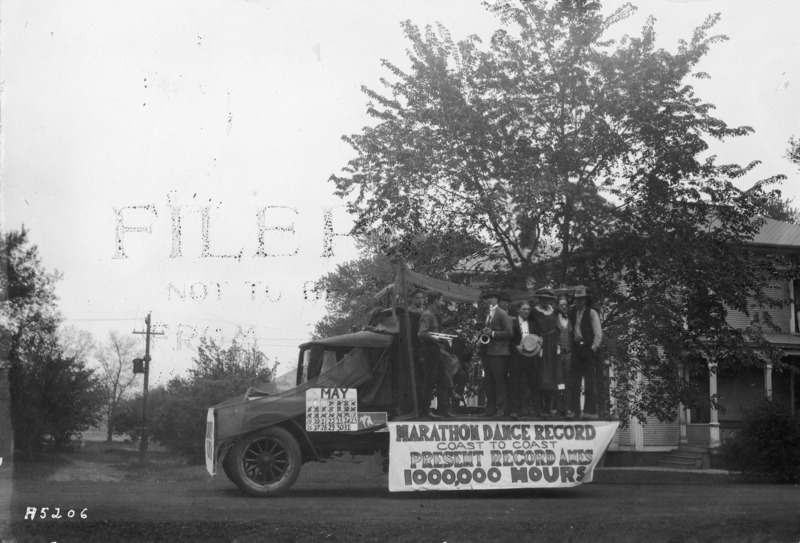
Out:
{"x": 452, "y": 292}
{"x": 363, "y": 338}
{"x": 245, "y": 413}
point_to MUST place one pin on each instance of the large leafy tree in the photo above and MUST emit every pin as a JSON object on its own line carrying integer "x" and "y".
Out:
{"x": 53, "y": 394}
{"x": 583, "y": 159}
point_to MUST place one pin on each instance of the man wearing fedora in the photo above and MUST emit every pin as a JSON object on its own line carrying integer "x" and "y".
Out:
{"x": 587, "y": 336}
{"x": 497, "y": 329}
{"x": 504, "y": 301}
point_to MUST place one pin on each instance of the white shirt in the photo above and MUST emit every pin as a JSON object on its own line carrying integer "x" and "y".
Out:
{"x": 523, "y": 325}
{"x": 491, "y": 314}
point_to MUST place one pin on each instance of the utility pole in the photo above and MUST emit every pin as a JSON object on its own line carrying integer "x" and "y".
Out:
{"x": 145, "y": 418}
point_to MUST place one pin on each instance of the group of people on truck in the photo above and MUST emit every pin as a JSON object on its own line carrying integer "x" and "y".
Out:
{"x": 545, "y": 347}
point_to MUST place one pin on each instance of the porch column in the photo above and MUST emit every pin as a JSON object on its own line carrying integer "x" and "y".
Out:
{"x": 682, "y": 409}
{"x": 768, "y": 380}
{"x": 713, "y": 426}
{"x": 637, "y": 435}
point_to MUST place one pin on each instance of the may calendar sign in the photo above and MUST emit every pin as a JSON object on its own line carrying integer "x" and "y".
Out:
{"x": 331, "y": 410}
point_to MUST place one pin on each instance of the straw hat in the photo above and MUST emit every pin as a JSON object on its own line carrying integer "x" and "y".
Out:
{"x": 531, "y": 345}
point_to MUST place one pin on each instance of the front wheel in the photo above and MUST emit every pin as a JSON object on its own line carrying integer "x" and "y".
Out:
{"x": 265, "y": 463}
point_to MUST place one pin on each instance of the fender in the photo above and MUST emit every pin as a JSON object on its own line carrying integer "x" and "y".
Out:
{"x": 302, "y": 438}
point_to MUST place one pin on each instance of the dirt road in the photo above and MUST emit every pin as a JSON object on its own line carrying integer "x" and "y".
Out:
{"x": 214, "y": 510}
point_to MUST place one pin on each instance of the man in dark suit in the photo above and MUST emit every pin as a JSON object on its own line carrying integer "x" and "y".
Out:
{"x": 587, "y": 335}
{"x": 498, "y": 328}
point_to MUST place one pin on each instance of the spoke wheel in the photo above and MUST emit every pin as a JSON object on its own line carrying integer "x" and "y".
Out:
{"x": 265, "y": 463}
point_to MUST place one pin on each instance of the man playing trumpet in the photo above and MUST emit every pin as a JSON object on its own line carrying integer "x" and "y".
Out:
{"x": 434, "y": 372}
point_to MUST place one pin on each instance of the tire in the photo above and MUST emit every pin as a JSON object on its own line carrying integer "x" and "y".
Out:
{"x": 265, "y": 463}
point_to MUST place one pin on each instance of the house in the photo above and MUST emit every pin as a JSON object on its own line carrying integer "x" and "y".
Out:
{"x": 737, "y": 392}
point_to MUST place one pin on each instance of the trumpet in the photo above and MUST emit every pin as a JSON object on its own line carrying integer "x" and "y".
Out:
{"x": 485, "y": 339}
{"x": 448, "y": 337}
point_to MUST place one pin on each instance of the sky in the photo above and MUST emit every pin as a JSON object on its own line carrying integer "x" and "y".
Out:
{"x": 173, "y": 156}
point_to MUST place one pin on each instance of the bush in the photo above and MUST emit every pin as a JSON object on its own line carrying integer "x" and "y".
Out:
{"x": 53, "y": 398}
{"x": 768, "y": 445}
{"x": 127, "y": 417}
{"x": 177, "y": 412}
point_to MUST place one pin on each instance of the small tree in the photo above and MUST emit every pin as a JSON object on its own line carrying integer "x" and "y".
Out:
{"x": 793, "y": 153}
{"x": 179, "y": 423}
{"x": 127, "y": 417}
{"x": 116, "y": 375}
{"x": 76, "y": 343}
{"x": 53, "y": 396}
{"x": 781, "y": 209}
{"x": 768, "y": 444}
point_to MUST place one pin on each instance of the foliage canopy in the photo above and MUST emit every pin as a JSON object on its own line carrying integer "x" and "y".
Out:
{"x": 584, "y": 160}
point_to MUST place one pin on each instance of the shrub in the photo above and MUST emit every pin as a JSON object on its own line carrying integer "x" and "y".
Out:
{"x": 768, "y": 445}
{"x": 177, "y": 412}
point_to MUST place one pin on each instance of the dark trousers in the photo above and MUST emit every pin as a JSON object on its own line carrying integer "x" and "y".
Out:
{"x": 433, "y": 374}
{"x": 494, "y": 380}
{"x": 562, "y": 400}
{"x": 584, "y": 366}
{"x": 522, "y": 375}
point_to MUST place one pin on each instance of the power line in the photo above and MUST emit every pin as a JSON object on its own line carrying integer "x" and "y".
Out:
{"x": 102, "y": 320}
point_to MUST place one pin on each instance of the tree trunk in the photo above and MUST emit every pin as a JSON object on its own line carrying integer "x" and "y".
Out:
{"x": 109, "y": 429}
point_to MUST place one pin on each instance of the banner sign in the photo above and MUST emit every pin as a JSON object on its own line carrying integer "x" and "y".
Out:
{"x": 331, "y": 410}
{"x": 487, "y": 455}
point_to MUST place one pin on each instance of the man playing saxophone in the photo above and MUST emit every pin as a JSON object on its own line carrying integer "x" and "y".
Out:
{"x": 497, "y": 330}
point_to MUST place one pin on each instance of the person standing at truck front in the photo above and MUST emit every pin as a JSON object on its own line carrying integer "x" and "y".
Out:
{"x": 433, "y": 368}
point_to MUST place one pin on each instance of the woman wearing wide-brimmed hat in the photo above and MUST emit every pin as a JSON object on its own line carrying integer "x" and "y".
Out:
{"x": 548, "y": 371}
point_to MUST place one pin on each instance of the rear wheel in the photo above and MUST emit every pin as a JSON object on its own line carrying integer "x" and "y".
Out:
{"x": 265, "y": 463}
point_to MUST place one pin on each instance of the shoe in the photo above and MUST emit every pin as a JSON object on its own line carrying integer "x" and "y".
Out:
{"x": 447, "y": 415}
{"x": 498, "y": 416}
{"x": 514, "y": 416}
{"x": 430, "y": 416}
{"x": 569, "y": 414}
{"x": 487, "y": 414}
{"x": 590, "y": 416}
